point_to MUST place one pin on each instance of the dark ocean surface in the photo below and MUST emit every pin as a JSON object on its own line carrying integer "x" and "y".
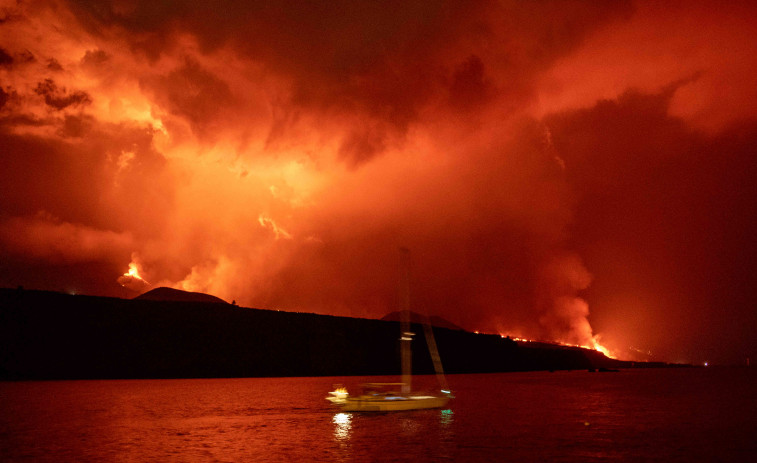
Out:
{"x": 665, "y": 415}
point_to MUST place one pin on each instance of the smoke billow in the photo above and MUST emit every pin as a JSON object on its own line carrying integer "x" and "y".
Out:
{"x": 564, "y": 314}
{"x": 533, "y": 161}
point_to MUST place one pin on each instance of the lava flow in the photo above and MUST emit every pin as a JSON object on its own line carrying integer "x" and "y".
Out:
{"x": 132, "y": 279}
{"x": 595, "y": 345}
{"x": 599, "y": 348}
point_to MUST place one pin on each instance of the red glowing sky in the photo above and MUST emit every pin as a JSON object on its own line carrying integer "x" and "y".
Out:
{"x": 560, "y": 170}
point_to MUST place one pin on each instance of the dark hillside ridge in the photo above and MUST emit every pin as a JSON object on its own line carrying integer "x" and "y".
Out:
{"x": 170, "y": 294}
{"x": 48, "y": 335}
{"x": 433, "y": 320}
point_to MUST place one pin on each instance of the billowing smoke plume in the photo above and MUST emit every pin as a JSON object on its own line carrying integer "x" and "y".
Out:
{"x": 279, "y": 156}
{"x": 564, "y": 312}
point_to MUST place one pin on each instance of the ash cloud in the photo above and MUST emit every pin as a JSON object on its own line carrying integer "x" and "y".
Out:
{"x": 59, "y": 98}
{"x": 54, "y": 65}
{"x": 469, "y": 88}
{"x": 4, "y": 96}
{"x": 381, "y": 64}
{"x": 5, "y": 58}
{"x": 663, "y": 224}
{"x": 46, "y": 238}
{"x": 547, "y": 163}
{"x": 195, "y": 95}
{"x": 94, "y": 58}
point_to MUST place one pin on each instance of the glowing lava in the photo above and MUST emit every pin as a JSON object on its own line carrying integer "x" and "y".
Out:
{"x": 599, "y": 348}
{"x": 595, "y": 345}
{"x": 134, "y": 272}
{"x": 132, "y": 279}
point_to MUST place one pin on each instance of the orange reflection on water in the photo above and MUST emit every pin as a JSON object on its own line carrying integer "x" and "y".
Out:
{"x": 342, "y": 426}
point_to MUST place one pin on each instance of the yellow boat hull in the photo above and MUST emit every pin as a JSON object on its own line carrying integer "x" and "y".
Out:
{"x": 390, "y": 404}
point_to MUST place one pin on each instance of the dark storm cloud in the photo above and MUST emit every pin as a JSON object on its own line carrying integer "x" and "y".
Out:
{"x": 18, "y": 58}
{"x": 663, "y": 219}
{"x": 60, "y": 98}
{"x": 5, "y": 58}
{"x": 381, "y": 61}
{"x": 194, "y": 94}
{"x": 470, "y": 87}
{"x": 25, "y": 57}
{"x": 362, "y": 144}
{"x": 54, "y": 65}
{"x": 3, "y": 97}
{"x": 94, "y": 58}
{"x": 76, "y": 126}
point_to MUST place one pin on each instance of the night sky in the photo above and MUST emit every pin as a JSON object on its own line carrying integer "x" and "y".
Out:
{"x": 582, "y": 172}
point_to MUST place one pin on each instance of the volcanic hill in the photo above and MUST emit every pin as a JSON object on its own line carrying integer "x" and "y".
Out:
{"x": 169, "y": 294}
{"x": 50, "y": 335}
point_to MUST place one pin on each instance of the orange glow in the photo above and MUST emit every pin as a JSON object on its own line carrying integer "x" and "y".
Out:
{"x": 531, "y": 154}
{"x": 133, "y": 272}
{"x": 594, "y": 345}
{"x": 132, "y": 278}
{"x": 600, "y": 348}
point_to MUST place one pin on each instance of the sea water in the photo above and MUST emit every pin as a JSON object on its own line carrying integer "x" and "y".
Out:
{"x": 666, "y": 415}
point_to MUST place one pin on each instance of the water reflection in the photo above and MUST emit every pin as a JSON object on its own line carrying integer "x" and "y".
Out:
{"x": 446, "y": 417}
{"x": 671, "y": 414}
{"x": 446, "y": 434}
{"x": 409, "y": 424}
{"x": 342, "y": 426}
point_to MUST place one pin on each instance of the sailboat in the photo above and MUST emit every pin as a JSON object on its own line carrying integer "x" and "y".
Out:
{"x": 386, "y": 397}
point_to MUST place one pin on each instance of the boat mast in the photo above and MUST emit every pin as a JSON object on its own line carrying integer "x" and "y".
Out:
{"x": 431, "y": 342}
{"x": 406, "y": 336}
